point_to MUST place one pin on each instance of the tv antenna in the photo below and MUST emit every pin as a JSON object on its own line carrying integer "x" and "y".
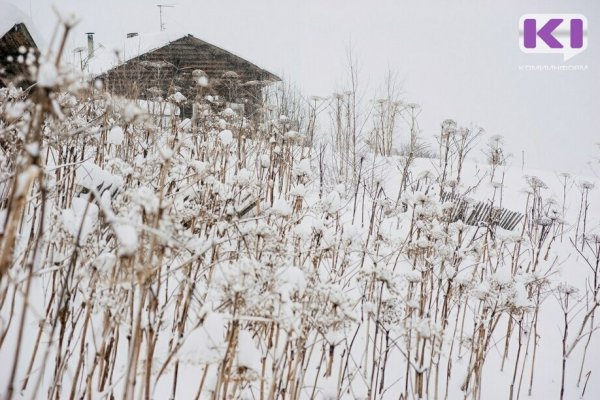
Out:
{"x": 160, "y": 11}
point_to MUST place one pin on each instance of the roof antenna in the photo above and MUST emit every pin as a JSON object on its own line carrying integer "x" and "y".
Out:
{"x": 160, "y": 11}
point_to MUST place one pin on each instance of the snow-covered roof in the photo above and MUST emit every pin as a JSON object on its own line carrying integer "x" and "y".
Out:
{"x": 107, "y": 57}
{"x": 11, "y": 15}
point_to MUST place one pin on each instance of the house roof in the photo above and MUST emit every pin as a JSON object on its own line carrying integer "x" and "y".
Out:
{"x": 10, "y": 16}
{"x": 108, "y": 57}
{"x": 14, "y": 36}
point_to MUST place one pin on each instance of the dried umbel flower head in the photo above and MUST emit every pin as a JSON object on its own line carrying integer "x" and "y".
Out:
{"x": 200, "y": 77}
{"x": 448, "y": 127}
{"x": 535, "y": 183}
{"x": 231, "y": 75}
{"x": 567, "y": 289}
{"x": 586, "y": 185}
{"x": 592, "y": 238}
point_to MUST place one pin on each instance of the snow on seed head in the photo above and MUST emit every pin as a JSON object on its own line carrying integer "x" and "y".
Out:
{"x": 298, "y": 191}
{"x": 303, "y": 168}
{"x": 243, "y": 177}
{"x": 115, "y": 135}
{"x": 48, "y": 76}
{"x": 226, "y": 137}
{"x": 281, "y": 208}
{"x": 127, "y": 238}
{"x": 177, "y": 98}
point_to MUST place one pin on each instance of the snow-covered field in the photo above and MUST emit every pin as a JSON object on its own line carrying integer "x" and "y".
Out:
{"x": 145, "y": 256}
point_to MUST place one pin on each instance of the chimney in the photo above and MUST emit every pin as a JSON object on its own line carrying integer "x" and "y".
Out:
{"x": 90, "y": 37}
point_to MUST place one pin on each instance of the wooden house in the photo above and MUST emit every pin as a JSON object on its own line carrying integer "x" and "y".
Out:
{"x": 157, "y": 66}
{"x": 15, "y": 41}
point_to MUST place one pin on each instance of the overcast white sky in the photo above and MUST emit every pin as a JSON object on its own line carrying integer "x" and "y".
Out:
{"x": 458, "y": 59}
